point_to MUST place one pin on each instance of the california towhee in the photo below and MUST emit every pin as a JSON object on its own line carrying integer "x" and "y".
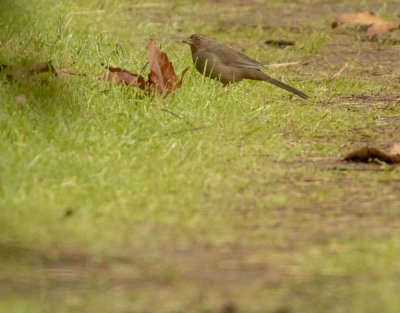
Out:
{"x": 227, "y": 65}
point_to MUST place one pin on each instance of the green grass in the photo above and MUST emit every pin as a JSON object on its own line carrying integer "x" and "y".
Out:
{"x": 115, "y": 202}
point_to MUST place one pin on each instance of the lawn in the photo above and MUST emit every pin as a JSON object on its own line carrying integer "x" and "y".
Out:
{"x": 213, "y": 199}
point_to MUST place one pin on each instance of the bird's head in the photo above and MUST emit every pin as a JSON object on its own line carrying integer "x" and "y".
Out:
{"x": 196, "y": 40}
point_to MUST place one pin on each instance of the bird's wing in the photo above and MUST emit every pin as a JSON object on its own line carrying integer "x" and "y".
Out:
{"x": 234, "y": 58}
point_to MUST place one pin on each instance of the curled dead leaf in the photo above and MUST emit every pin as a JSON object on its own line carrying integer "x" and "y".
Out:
{"x": 63, "y": 73}
{"x": 376, "y": 26}
{"x": 161, "y": 79}
{"x": 394, "y": 148}
{"x": 21, "y": 99}
{"x": 179, "y": 84}
{"x": 162, "y": 75}
{"x": 29, "y": 70}
{"x": 26, "y": 71}
{"x": 366, "y": 154}
{"x": 120, "y": 75}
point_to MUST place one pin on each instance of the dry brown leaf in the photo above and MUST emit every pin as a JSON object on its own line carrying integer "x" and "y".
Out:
{"x": 29, "y": 70}
{"x": 228, "y": 308}
{"x": 394, "y": 148}
{"x": 179, "y": 84}
{"x": 366, "y": 154}
{"x": 21, "y": 99}
{"x": 26, "y": 71}
{"x": 120, "y": 75}
{"x": 162, "y": 75}
{"x": 63, "y": 73}
{"x": 376, "y": 26}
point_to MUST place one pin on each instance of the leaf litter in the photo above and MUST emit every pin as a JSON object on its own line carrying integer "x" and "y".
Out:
{"x": 161, "y": 79}
{"x": 26, "y": 71}
{"x": 367, "y": 154}
{"x": 376, "y": 26}
{"x": 122, "y": 76}
{"x": 29, "y": 70}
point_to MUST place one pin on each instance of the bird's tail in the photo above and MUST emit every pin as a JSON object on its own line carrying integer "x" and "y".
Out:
{"x": 262, "y": 76}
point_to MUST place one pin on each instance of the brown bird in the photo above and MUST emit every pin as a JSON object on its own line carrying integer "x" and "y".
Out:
{"x": 227, "y": 65}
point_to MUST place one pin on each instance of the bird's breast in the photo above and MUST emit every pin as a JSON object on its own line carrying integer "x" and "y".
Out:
{"x": 212, "y": 66}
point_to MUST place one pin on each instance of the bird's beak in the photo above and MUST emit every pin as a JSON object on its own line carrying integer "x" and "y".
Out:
{"x": 188, "y": 41}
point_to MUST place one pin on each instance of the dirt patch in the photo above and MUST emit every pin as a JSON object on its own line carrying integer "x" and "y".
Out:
{"x": 62, "y": 271}
{"x": 388, "y": 129}
{"x": 343, "y": 56}
{"x": 382, "y": 100}
{"x": 284, "y": 14}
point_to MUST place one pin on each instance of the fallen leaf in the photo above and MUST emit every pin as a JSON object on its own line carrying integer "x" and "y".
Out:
{"x": 26, "y": 71}
{"x": 68, "y": 212}
{"x": 162, "y": 75}
{"x": 29, "y": 70}
{"x": 366, "y": 154}
{"x": 21, "y": 99}
{"x": 228, "y": 308}
{"x": 394, "y": 148}
{"x": 63, "y": 72}
{"x": 376, "y": 26}
{"x": 121, "y": 75}
{"x": 179, "y": 84}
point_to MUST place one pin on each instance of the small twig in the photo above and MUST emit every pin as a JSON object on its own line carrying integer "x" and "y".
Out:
{"x": 340, "y": 71}
{"x": 143, "y": 68}
{"x": 188, "y": 123}
{"x": 172, "y": 113}
{"x": 187, "y": 130}
{"x": 88, "y": 12}
{"x": 326, "y": 114}
{"x": 180, "y": 131}
{"x": 318, "y": 122}
{"x": 283, "y": 64}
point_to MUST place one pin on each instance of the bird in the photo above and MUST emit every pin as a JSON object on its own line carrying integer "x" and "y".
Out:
{"x": 227, "y": 65}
